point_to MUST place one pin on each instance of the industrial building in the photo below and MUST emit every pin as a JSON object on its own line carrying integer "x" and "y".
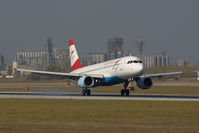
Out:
{"x": 32, "y": 59}
{"x": 48, "y": 47}
{"x": 140, "y": 48}
{"x": 156, "y": 61}
{"x": 92, "y": 57}
{"x": 61, "y": 56}
{"x": 2, "y": 64}
{"x": 115, "y": 48}
{"x": 183, "y": 62}
{"x": 151, "y": 61}
{"x": 97, "y": 57}
{"x": 41, "y": 59}
{"x": 1, "y": 60}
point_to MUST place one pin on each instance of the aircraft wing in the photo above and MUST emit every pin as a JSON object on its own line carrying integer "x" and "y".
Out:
{"x": 159, "y": 75}
{"x": 62, "y": 74}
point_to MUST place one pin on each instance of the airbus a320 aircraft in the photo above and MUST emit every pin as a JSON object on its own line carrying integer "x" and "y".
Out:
{"x": 122, "y": 70}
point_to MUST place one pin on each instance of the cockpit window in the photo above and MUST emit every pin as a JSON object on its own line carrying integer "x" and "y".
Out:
{"x": 134, "y": 61}
{"x": 129, "y": 62}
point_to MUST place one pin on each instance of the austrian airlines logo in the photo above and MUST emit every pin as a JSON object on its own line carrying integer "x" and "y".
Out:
{"x": 115, "y": 63}
{"x": 72, "y": 52}
{"x": 72, "y": 57}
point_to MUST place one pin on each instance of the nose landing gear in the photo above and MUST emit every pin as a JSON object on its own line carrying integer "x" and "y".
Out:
{"x": 132, "y": 88}
{"x": 125, "y": 91}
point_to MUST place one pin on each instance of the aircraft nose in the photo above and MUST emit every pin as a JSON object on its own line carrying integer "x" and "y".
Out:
{"x": 140, "y": 69}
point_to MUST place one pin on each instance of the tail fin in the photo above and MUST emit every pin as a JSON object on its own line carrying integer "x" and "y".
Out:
{"x": 74, "y": 59}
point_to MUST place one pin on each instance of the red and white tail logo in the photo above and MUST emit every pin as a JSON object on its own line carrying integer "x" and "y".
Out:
{"x": 74, "y": 59}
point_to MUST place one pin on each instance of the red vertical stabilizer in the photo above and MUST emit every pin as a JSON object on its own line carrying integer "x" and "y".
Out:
{"x": 74, "y": 59}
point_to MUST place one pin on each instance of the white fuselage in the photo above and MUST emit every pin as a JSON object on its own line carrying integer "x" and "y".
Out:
{"x": 124, "y": 68}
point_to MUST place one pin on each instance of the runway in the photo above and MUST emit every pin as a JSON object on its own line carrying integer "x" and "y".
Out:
{"x": 96, "y": 96}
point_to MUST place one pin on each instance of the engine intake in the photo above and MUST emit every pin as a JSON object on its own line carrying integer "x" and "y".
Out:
{"x": 144, "y": 83}
{"x": 85, "y": 82}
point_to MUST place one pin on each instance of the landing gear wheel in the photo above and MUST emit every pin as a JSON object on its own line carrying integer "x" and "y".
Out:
{"x": 132, "y": 88}
{"x": 86, "y": 92}
{"x": 122, "y": 92}
{"x": 127, "y": 92}
{"x": 83, "y": 92}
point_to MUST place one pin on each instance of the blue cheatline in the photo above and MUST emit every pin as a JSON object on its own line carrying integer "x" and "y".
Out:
{"x": 108, "y": 81}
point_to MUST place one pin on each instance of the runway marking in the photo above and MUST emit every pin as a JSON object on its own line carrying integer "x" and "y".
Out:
{"x": 155, "y": 97}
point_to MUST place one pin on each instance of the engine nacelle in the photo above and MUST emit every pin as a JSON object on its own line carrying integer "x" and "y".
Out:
{"x": 144, "y": 83}
{"x": 85, "y": 82}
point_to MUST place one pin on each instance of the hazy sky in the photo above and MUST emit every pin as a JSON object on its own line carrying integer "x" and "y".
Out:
{"x": 165, "y": 25}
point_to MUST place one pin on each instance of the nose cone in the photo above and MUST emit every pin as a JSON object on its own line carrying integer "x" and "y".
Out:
{"x": 140, "y": 69}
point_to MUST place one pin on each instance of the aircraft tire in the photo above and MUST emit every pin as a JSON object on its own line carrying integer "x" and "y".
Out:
{"x": 122, "y": 92}
{"x": 127, "y": 92}
{"x": 88, "y": 92}
{"x": 83, "y": 92}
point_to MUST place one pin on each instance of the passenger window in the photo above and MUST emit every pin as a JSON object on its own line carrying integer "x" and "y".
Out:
{"x": 135, "y": 61}
{"x": 140, "y": 61}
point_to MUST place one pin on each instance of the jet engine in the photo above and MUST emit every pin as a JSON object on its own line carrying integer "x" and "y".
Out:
{"x": 144, "y": 83}
{"x": 85, "y": 82}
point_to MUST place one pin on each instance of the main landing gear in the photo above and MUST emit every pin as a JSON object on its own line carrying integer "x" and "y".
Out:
{"x": 125, "y": 91}
{"x": 86, "y": 92}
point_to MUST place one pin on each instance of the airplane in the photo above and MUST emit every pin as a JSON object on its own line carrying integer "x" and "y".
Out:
{"x": 123, "y": 70}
